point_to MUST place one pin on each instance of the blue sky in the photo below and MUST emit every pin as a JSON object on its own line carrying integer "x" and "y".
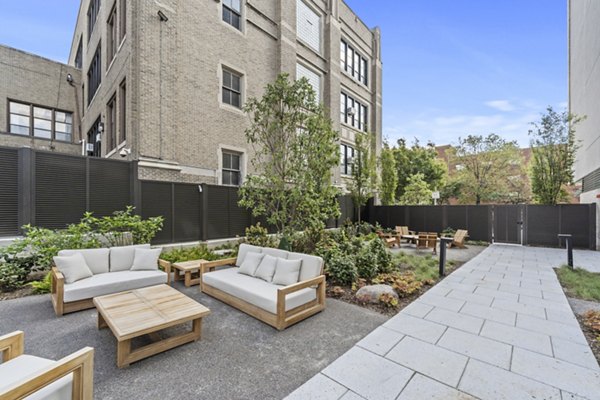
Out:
{"x": 451, "y": 67}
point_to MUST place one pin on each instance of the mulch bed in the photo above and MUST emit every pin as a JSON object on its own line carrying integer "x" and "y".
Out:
{"x": 15, "y": 294}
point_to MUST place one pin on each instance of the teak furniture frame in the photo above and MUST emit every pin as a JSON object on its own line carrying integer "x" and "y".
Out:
{"x": 80, "y": 363}
{"x": 427, "y": 240}
{"x": 146, "y": 311}
{"x": 57, "y": 291}
{"x": 191, "y": 270}
{"x": 282, "y": 319}
{"x": 459, "y": 239}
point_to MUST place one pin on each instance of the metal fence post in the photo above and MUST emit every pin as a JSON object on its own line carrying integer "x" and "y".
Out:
{"x": 443, "y": 242}
{"x": 569, "y": 242}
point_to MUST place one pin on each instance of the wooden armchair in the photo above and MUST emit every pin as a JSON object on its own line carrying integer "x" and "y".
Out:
{"x": 459, "y": 239}
{"x": 24, "y": 375}
{"x": 389, "y": 241}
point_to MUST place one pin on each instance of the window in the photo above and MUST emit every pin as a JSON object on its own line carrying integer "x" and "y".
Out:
{"x": 92, "y": 15}
{"x": 111, "y": 33}
{"x": 353, "y": 113}
{"x": 231, "y": 169}
{"x": 347, "y": 154}
{"x": 94, "y": 140}
{"x": 94, "y": 74}
{"x": 353, "y": 63}
{"x": 79, "y": 55}
{"x": 111, "y": 123}
{"x": 313, "y": 78}
{"x": 232, "y": 92}
{"x": 122, "y": 19}
{"x": 47, "y": 122}
{"x": 308, "y": 26}
{"x": 232, "y": 13}
{"x": 122, "y": 112}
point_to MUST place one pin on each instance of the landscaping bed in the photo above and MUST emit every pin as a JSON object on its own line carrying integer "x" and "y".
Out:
{"x": 590, "y": 325}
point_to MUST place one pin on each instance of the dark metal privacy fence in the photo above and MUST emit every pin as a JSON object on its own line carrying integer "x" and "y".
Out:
{"x": 535, "y": 225}
{"x": 52, "y": 190}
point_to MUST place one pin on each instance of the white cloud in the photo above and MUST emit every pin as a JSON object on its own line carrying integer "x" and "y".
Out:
{"x": 501, "y": 105}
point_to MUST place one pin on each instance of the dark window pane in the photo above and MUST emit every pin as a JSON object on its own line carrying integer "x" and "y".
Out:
{"x": 235, "y": 178}
{"x": 227, "y": 79}
{"x": 227, "y": 160}
{"x": 235, "y": 21}
{"x": 226, "y": 96}
{"x": 235, "y": 100}
{"x": 235, "y": 162}
{"x": 235, "y": 80}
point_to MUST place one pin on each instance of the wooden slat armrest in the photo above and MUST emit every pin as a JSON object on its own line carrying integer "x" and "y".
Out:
{"x": 11, "y": 345}
{"x": 80, "y": 363}
{"x": 217, "y": 263}
{"x": 319, "y": 280}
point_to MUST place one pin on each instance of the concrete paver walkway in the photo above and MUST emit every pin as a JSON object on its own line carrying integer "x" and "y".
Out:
{"x": 500, "y": 327}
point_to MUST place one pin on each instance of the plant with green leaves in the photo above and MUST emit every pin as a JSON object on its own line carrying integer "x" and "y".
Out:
{"x": 294, "y": 152}
{"x": 553, "y": 146}
{"x": 363, "y": 182}
{"x": 389, "y": 176}
{"x": 416, "y": 192}
{"x": 258, "y": 235}
{"x": 189, "y": 253}
{"x": 115, "y": 228}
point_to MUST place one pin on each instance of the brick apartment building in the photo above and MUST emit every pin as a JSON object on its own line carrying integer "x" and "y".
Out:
{"x": 164, "y": 83}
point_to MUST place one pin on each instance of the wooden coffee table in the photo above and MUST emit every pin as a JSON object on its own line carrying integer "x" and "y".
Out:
{"x": 138, "y": 312}
{"x": 188, "y": 268}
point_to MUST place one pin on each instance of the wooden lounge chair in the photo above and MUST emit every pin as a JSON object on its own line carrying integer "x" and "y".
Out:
{"x": 403, "y": 231}
{"x": 427, "y": 240}
{"x": 389, "y": 241}
{"x": 33, "y": 377}
{"x": 459, "y": 239}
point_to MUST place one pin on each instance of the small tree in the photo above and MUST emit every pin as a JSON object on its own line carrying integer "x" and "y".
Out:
{"x": 364, "y": 171}
{"x": 389, "y": 176}
{"x": 416, "y": 192}
{"x": 295, "y": 150}
{"x": 553, "y": 145}
{"x": 418, "y": 159}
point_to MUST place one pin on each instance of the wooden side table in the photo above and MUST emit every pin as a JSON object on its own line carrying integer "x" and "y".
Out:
{"x": 191, "y": 270}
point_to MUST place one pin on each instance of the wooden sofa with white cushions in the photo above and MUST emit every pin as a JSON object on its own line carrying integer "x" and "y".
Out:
{"x": 36, "y": 378}
{"x": 275, "y": 286}
{"x": 80, "y": 275}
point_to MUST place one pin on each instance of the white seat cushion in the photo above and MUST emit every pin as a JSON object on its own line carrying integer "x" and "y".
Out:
{"x": 121, "y": 258}
{"x": 245, "y": 248}
{"x": 311, "y": 265}
{"x": 255, "y": 291}
{"x": 96, "y": 259}
{"x": 15, "y": 370}
{"x": 112, "y": 282}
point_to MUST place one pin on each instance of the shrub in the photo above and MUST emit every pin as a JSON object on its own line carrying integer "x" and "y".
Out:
{"x": 382, "y": 255}
{"x": 258, "y": 235}
{"x": 388, "y": 300}
{"x": 404, "y": 283}
{"x": 43, "y": 286}
{"x": 188, "y": 254}
{"x": 12, "y": 275}
{"x": 366, "y": 263}
{"x": 341, "y": 269}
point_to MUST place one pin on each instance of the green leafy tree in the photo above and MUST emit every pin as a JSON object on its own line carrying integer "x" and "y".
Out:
{"x": 416, "y": 192}
{"x": 553, "y": 146}
{"x": 295, "y": 149}
{"x": 364, "y": 171}
{"x": 389, "y": 176}
{"x": 418, "y": 159}
{"x": 484, "y": 164}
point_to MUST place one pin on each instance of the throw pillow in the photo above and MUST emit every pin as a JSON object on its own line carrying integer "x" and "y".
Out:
{"x": 287, "y": 272}
{"x": 266, "y": 268}
{"x": 146, "y": 259}
{"x": 250, "y": 263}
{"x": 73, "y": 267}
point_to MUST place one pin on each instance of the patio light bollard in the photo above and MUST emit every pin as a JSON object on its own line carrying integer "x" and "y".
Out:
{"x": 443, "y": 242}
{"x": 569, "y": 242}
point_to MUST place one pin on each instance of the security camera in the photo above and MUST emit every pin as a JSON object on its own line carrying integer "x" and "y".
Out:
{"x": 124, "y": 152}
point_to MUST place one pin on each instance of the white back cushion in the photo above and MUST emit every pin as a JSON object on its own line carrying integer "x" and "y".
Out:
{"x": 266, "y": 268}
{"x": 245, "y": 248}
{"x": 311, "y": 265}
{"x": 287, "y": 272}
{"x": 250, "y": 263}
{"x": 121, "y": 258}
{"x": 96, "y": 259}
{"x": 146, "y": 259}
{"x": 73, "y": 267}
{"x": 275, "y": 252}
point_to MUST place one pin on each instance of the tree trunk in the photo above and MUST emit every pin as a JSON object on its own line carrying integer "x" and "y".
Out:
{"x": 477, "y": 199}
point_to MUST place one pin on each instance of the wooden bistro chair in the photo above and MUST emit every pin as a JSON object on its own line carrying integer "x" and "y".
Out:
{"x": 31, "y": 377}
{"x": 459, "y": 239}
{"x": 427, "y": 240}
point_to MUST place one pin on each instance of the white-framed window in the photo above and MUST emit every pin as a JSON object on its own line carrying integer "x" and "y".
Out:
{"x": 353, "y": 63}
{"x": 313, "y": 78}
{"x": 308, "y": 25}
{"x": 232, "y": 88}
{"x": 232, "y": 13}
{"x": 231, "y": 168}
{"x": 40, "y": 122}
{"x": 353, "y": 112}
{"x": 347, "y": 154}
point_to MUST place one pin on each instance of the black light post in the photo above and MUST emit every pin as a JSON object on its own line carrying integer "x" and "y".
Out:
{"x": 569, "y": 242}
{"x": 443, "y": 242}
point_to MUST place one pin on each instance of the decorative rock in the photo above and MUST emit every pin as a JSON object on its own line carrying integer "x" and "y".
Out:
{"x": 371, "y": 293}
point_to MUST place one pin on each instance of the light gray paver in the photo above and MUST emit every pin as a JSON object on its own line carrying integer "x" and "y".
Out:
{"x": 564, "y": 375}
{"x": 369, "y": 375}
{"x": 430, "y": 360}
{"x": 500, "y": 327}
{"x": 318, "y": 387}
{"x": 420, "y": 387}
